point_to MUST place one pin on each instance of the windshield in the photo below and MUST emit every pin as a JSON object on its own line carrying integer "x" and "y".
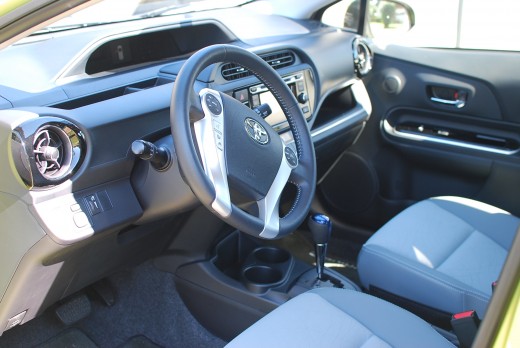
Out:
{"x": 109, "y": 11}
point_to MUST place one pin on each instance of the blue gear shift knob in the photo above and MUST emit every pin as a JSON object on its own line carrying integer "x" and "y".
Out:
{"x": 320, "y": 227}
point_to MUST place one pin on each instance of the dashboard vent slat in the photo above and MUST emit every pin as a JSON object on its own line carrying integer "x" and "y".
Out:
{"x": 277, "y": 60}
{"x": 49, "y": 152}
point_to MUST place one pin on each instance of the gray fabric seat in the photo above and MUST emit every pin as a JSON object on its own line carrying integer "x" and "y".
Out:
{"x": 442, "y": 252}
{"x": 330, "y": 317}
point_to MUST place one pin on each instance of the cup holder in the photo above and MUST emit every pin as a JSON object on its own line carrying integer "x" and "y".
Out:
{"x": 271, "y": 255}
{"x": 262, "y": 275}
{"x": 266, "y": 267}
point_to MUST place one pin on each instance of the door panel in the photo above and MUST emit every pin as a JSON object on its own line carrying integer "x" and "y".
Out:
{"x": 464, "y": 142}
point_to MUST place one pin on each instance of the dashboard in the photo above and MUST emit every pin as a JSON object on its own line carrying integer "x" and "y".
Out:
{"x": 74, "y": 186}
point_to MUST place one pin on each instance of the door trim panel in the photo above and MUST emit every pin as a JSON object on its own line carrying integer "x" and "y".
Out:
{"x": 432, "y": 127}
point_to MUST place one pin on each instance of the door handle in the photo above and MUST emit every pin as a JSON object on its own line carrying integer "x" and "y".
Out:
{"x": 448, "y": 96}
{"x": 459, "y": 103}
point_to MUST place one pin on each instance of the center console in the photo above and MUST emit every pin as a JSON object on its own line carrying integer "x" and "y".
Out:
{"x": 244, "y": 279}
{"x": 301, "y": 85}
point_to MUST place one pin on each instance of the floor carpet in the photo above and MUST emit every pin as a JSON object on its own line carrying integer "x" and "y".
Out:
{"x": 147, "y": 313}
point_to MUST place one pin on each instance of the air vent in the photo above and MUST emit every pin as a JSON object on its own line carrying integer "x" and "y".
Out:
{"x": 232, "y": 71}
{"x": 277, "y": 60}
{"x": 50, "y": 154}
{"x": 363, "y": 57}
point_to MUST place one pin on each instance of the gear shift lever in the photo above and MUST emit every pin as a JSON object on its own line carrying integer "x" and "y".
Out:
{"x": 320, "y": 227}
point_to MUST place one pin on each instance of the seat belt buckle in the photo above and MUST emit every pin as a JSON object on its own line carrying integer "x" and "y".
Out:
{"x": 465, "y": 325}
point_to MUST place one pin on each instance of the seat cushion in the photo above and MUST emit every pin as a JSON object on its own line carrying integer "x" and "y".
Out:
{"x": 442, "y": 252}
{"x": 331, "y": 317}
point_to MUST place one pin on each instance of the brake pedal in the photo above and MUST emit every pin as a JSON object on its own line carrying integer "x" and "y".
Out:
{"x": 74, "y": 309}
{"x": 104, "y": 291}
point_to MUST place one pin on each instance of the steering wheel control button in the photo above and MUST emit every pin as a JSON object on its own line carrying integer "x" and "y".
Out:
{"x": 256, "y": 131}
{"x": 290, "y": 157}
{"x": 213, "y": 104}
{"x": 217, "y": 130}
{"x": 93, "y": 204}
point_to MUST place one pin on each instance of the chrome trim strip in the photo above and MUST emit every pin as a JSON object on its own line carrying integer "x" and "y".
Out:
{"x": 363, "y": 108}
{"x": 390, "y": 130}
{"x": 357, "y": 113}
{"x": 457, "y": 103}
{"x": 361, "y": 95}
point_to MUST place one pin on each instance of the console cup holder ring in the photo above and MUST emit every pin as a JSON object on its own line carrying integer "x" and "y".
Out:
{"x": 271, "y": 255}
{"x": 259, "y": 278}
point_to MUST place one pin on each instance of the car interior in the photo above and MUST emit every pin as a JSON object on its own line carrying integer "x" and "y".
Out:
{"x": 249, "y": 175}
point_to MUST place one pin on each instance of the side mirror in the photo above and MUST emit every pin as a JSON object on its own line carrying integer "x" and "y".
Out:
{"x": 384, "y": 18}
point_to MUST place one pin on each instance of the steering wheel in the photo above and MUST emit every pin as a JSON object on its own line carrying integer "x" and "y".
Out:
{"x": 237, "y": 154}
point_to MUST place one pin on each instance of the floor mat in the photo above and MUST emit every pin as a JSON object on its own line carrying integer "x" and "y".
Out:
{"x": 148, "y": 313}
{"x": 147, "y": 305}
{"x": 139, "y": 342}
{"x": 71, "y": 338}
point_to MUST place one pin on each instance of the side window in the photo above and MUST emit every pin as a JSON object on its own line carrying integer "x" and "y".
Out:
{"x": 343, "y": 14}
{"x": 468, "y": 24}
{"x": 490, "y": 25}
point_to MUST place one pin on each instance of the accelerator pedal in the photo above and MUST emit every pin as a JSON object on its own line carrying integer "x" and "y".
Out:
{"x": 74, "y": 309}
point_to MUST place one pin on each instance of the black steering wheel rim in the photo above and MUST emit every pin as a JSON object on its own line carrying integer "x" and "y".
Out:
{"x": 182, "y": 102}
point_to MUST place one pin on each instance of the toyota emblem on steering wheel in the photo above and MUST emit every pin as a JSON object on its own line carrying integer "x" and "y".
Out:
{"x": 256, "y": 131}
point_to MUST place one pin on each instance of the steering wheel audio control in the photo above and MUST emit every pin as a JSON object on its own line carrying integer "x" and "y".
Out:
{"x": 290, "y": 157}
{"x": 213, "y": 104}
{"x": 217, "y": 130}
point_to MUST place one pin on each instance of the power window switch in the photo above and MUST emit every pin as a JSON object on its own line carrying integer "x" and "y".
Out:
{"x": 16, "y": 320}
{"x": 93, "y": 204}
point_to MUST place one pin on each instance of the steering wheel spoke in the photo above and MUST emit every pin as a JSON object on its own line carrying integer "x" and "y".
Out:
{"x": 268, "y": 207}
{"x": 209, "y": 132}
